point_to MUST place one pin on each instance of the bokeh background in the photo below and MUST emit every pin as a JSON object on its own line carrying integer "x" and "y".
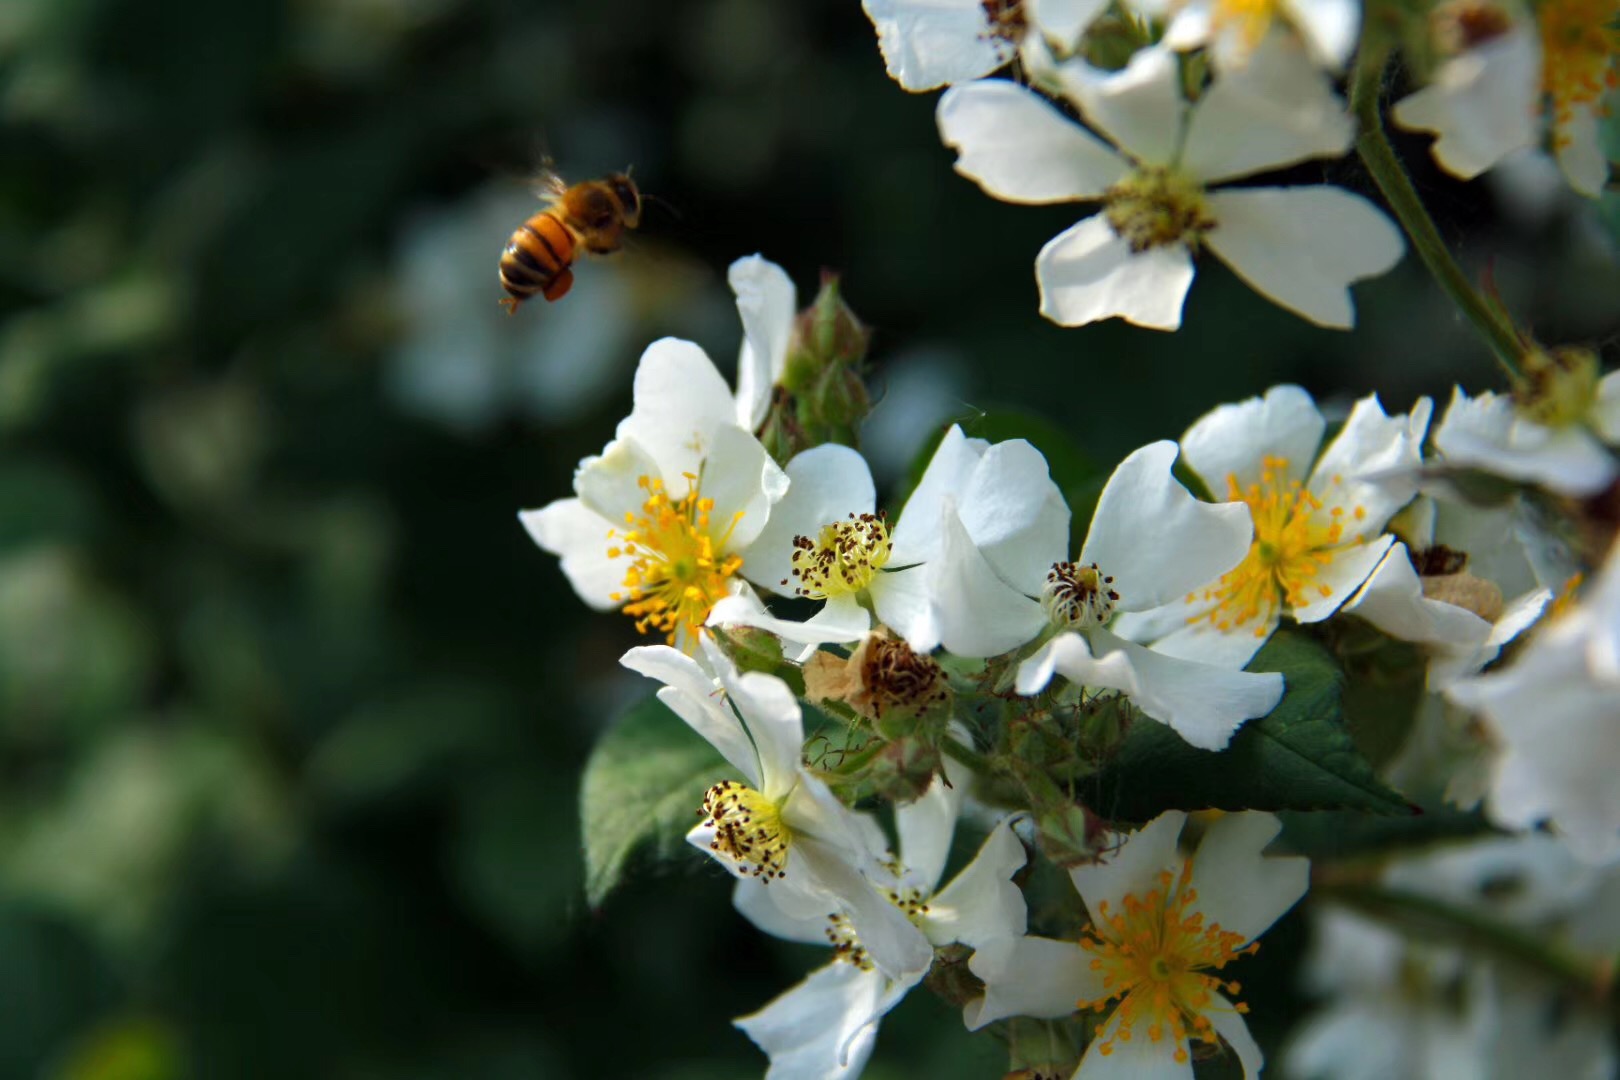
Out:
{"x": 292, "y": 713}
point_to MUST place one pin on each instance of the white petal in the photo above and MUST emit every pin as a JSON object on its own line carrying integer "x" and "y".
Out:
{"x": 823, "y": 1028}
{"x": 1392, "y": 600}
{"x": 925, "y": 827}
{"x": 1087, "y": 273}
{"x": 1337, "y": 581}
{"x": 1278, "y": 110}
{"x": 1330, "y": 28}
{"x": 1133, "y": 867}
{"x": 745, "y": 483}
{"x": 1485, "y": 433}
{"x": 1605, "y": 416}
{"x": 927, "y": 44}
{"x": 1580, "y": 155}
{"x": 1239, "y": 888}
{"x": 1065, "y": 20}
{"x": 981, "y": 903}
{"x": 689, "y": 692}
{"x": 1370, "y": 468}
{"x": 1029, "y": 976}
{"x": 903, "y": 601}
{"x": 1303, "y": 246}
{"x": 1139, "y": 1059}
{"x": 1139, "y": 107}
{"x": 917, "y": 533}
{"x": 1480, "y": 105}
{"x": 772, "y": 716}
{"x": 897, "y": 947}
{"x": 1189, "y": 24}
{"x": 580, "y": 538}
{"x": 1228, "y": 1023}
{"x": 840, "y": 620}
{"x": 825, "y": 485}
{"x": 680, "y": 399}
{"x": 976, "y": 613}
{"x": 755, "y": 900}
{"x": 1017, "y": 147}
{"x": 1015, "y": 514}
{"x": 1154, "y": 538}
{"x": 1198, "y": 640}
{"x": 611, "y": 483}
{"x": 767, "y": 302}
{"x": 1233, "y": 441}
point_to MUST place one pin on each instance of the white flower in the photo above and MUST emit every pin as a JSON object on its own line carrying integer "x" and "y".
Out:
{"x": 1300, "y": 246}
{"x": 1163, "y": 927}
{"x": 1318, "y": 530}
{"x": 824, "y": 1028}
{"x": 1489, "y": 433}
{"x": 973, "y": 531}
{"x": 1149, "y": 542}
{"x": 927, "y": 44}
{"x": 664, "y": 516}
{"x": 1233, "y": 30}
{"x": 780, "y": 826}
{"x": 1486, "y": 101}
{"x": 1438, "y": 595}
{"x": 1554, "y": 712}
{"x": 767, "y": 303}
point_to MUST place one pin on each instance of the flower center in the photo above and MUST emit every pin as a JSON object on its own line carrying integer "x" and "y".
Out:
{"x": 1157, "y": 207}
{"x": 1245, "y": 20}
{"x": 1295, "y": 537}
{"x": 1005, "y": 20}
{"x": 843, "y": 558}
{"x": 677, "y": 568}
{"x": 1076, "y": 597}
{"x": 1579, "y": 45}
{"x": 1558, "y": 387}
{"x": 1154, "y": 956}
{"x": 748, "y": 829}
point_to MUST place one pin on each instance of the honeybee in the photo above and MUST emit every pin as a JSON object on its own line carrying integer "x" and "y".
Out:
{"x": 592, "y": 215}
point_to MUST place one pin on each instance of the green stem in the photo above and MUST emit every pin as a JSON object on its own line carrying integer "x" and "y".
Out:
{"x": 1387, "y": 172}
{"x": 967, "y": 756}
{"x": 1421, "y": 916}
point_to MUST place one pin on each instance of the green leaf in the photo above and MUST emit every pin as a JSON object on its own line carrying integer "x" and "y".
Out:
{"x": 1298, "y": 758}
{"x": 643, "y": 783}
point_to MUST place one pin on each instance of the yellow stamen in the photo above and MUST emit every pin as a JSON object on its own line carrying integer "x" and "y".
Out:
{"x": 843, "y": 558}
{"x": 1580, "y": 43}
{"x": 678, "y": 565}
{"x": 1295, "y": 538}
{"x": 1154, "y": 956}
{"x": 748, "y": 829}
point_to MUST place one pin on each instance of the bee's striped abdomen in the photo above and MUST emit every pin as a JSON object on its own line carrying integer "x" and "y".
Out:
{"x": 537, "y": 259}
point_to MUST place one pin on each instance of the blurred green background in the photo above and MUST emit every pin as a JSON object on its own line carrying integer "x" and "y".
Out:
{"x": 292, "y": 713}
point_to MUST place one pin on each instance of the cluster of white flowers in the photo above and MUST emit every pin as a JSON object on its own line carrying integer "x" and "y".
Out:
{"x": 949, "y": 641}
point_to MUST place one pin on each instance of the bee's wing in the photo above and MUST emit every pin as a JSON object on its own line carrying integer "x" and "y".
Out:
{"x": 547, "y": 184}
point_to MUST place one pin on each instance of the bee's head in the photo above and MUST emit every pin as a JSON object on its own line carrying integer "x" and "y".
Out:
{"x": 624, "y": 189}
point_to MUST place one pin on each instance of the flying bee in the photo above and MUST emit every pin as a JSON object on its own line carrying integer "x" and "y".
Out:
{"x": 592, "y": 215}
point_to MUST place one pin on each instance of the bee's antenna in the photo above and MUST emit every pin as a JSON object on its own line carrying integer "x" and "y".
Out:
{"x": 665, "y": 203}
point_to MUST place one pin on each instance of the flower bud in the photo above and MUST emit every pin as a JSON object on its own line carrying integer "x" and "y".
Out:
{"x": 902, "y": 770}
{"x": 1070, "y": 835}
{"x": 1558, "y": 386}
{"x": 822, "y": 396}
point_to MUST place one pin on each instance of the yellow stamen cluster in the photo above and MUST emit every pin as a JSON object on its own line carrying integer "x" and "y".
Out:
{"x": 1558, "y": 387}
{"x": 1580, "y": 44}
{"x": 748, "y": 829}
{"x": 1078, "y": 596}
{"x": 1247, "y": 20}
{"x": 1155, "y": 956}
{"x": 843, "y": 558}
{"x": 1157, "y": 207}
{"x": 677, "y": 565}
{"x": 1295, "y": 538}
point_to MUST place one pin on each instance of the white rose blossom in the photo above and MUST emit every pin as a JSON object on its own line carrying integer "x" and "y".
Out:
{"x": 980, "y": 516}
{"x": 1489, "y": 433}
{"x": 1553, "y": 711}
{"x": 780, "y": 825}
{"x": 1163, "y": 928}
{"x": 1514, "y": 76}
{"x": 1318, "y": 518}
{"x": 824, "y": 1028}
{"x": 1300, "y": 246}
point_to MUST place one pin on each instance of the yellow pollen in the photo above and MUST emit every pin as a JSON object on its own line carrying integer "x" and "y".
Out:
{"x": 1156, "y": 207}
{"x": 1155, "y": 957}
{"x": 1295, "y": 537}
{"x": 748, "y": 829}
{"x": 843, "y": 558}
{"x": 1580, "y": 42}
{"x": 677, "y": 566}
{"x": 1247, "y": 20}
